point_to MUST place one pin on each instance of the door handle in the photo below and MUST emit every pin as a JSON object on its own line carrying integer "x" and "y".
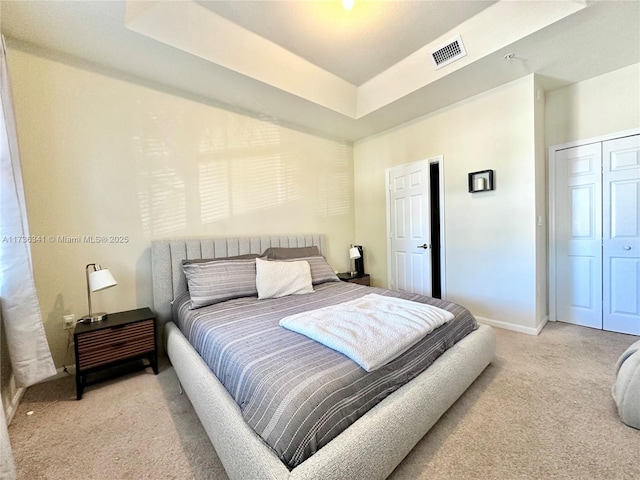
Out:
{"x": 424, "y": 245}
{"x": 627, "y": 247}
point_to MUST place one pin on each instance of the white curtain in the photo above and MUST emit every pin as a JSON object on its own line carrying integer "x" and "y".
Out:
{"x": 7, "y": 467}
{"x": 28, "y": 348}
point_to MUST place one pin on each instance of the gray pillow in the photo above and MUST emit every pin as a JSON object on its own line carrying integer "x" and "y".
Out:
{"x": 283, "y": 253}
{"x": 321, "y": 271}
{"x": 220, "y": 280}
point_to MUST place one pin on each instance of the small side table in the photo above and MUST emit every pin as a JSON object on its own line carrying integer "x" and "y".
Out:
{"x": 120, "y": 338}
{"x": 363, "y": 279}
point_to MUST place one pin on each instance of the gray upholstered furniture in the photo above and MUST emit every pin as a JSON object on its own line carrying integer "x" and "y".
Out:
{"x": 626, "y": 391}
{"x": 370, "y": 448}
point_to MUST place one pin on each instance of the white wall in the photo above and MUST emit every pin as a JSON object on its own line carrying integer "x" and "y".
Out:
{"x": 496, "y": 252}
{"x": 105, "y": 156}
{"x": 602, "y": 105}
{"x": 541, "y": 192}
{"x": 491, "y": 241}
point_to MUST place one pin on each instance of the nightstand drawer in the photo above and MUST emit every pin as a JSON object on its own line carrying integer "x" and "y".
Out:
{"x": 116, "y": 343}
{"x": 121, "y": 338}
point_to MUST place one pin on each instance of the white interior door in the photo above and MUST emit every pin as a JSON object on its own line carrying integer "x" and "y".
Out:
{"x": 578, "y": 229}
{"x": 409, "y": 228}
{"x": 621, "y": 235}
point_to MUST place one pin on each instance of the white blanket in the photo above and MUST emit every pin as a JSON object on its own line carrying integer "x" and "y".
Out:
{"x": 372, "y": 330}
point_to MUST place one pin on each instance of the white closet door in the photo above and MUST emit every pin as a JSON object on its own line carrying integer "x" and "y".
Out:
{"x": 579, "y": 235}
{"x": 621, "y": 235}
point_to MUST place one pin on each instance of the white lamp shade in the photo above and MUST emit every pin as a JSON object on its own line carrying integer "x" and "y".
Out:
{"x": 101, "y": 279}
{"x": 354, "y": 253}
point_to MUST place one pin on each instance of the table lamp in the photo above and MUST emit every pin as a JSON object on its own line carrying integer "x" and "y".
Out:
{"x": 98, "y": 279}
{"x": 355, "y": 254}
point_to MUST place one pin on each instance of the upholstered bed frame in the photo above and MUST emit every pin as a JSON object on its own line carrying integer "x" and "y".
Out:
{"x": 370, "y": 448}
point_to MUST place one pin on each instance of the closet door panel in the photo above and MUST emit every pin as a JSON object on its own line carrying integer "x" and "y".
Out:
{"x": 578, "y": 235}
{"x": 621, "y": 235}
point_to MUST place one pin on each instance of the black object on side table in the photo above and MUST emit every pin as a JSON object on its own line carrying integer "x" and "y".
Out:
{"x": 120, "y": 338}
{"x": 355, "y": 278}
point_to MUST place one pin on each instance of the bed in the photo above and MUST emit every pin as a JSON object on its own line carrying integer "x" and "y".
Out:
{"x": 371, "y": 447}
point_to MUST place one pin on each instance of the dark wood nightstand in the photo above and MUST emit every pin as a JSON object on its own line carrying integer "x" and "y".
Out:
{"x": 120, "y": 338}
{"x": 363, "y": 279}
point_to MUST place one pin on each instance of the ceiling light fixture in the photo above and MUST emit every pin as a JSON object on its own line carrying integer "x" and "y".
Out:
{"x": 348, "y": 4}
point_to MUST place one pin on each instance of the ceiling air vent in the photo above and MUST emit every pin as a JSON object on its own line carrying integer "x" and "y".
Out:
{"x": 448, "y": 53}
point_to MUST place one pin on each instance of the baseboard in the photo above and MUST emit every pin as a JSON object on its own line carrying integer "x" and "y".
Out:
{"x": 542, "y": 323}
{"x": 16, "y": 397}
{"x": 513, "y": 326}
{"x": 17, "y": 393}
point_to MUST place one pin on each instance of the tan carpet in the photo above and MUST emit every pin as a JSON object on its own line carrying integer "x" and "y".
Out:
{"x": 542, "y": 410}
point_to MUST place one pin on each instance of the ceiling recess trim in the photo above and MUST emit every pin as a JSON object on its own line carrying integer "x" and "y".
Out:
{"x": 188, "y": 26}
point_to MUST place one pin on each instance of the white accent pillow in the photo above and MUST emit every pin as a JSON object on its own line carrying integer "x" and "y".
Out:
{"x": 277, "y": 279}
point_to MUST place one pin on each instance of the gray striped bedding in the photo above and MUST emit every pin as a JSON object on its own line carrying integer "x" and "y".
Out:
{"x": 296, "y": 393}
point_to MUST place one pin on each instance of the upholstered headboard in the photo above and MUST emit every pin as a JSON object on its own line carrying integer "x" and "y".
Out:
{"x": 167, "y": 256}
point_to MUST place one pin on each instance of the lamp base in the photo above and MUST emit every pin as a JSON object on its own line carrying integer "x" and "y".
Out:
{"x": 96, "y": 317}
